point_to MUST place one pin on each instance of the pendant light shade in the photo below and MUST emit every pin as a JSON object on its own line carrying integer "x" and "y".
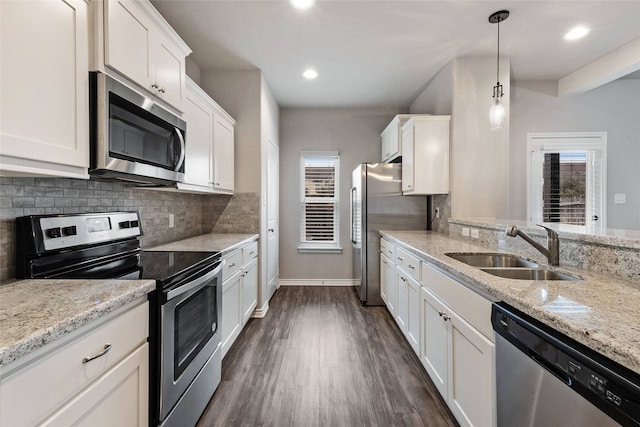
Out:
{"x": 497, "y": 113}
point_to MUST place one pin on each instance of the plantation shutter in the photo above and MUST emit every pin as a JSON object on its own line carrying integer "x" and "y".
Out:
{"x": 319, "y": 224}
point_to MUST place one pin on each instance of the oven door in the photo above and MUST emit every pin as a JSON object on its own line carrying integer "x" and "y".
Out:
{"x": 190, "y": 334}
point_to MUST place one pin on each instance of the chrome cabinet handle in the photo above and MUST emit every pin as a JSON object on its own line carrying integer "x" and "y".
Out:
{"x": 403, "y": 278}
{"x": 233, "y": 264}
{"x": 107, "y": 347}
{"x": 162, "y": 90}
{"x": 400, "y": 259}
{"x": 445, "y": 317}
{"x": 411, "y": 267}
{"x": 155, "y": 86}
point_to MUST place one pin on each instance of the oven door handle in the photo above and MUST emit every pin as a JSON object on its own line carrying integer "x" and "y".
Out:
{"x": 196, "y": 283}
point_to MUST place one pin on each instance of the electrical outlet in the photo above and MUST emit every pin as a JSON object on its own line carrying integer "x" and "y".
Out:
{"x": 465, "y": 232}
{"x": 171, "y": 221}
{"x": 475, "y": 233}
{"x": 437, "y": 212}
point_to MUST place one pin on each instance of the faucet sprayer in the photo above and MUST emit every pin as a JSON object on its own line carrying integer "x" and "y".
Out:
{"x": 552, "y": 252}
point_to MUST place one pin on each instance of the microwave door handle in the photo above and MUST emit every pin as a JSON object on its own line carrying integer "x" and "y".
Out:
{"x": 182, "y": 149}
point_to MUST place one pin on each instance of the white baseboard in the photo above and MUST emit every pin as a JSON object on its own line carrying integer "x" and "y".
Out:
{"x": 261, "y": 312}
{"x": 317, "y": 282}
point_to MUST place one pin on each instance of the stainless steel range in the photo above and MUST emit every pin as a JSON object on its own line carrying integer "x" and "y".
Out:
{"x": 185, "y": 334}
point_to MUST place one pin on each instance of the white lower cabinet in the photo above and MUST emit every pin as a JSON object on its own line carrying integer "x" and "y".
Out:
{"x": 457, "y": 356}
{"x": 448, "y": 325}
{"x": 59, "y": 387}
{"x": 239, "y": 292}
{"x": 388, "y": 289}
{"x": 408, "y": 307}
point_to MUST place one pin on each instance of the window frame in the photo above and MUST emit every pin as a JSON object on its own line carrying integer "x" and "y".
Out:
{"x": 320, "y": 246}
{"x": 593, "y": 143}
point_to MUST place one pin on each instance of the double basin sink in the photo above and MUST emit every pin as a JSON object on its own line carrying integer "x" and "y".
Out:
{"x": 510, "y": 266}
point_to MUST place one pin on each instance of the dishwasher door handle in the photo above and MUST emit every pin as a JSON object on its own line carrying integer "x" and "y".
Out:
{"x": 556, "y": 371}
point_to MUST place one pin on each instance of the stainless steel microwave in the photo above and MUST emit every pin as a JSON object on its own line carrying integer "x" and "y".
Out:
{"x": 132, "y": 137}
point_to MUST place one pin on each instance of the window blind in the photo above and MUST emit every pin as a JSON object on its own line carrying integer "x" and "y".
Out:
{"x": 319, "y": 225}
{"x": 564, "y": 186}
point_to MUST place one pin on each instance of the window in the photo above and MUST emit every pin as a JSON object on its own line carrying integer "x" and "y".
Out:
{"x": 319, "y": 213}
{"x": 566, "y": 178}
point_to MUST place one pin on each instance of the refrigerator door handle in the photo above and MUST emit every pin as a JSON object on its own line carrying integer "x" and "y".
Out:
{"x": 354, "y": 200}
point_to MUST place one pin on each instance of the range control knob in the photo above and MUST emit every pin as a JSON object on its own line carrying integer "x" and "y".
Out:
{"x": 125, "y": 224}
{"x": 135, "y": 224}
{"x": 69, "y": 231}
{"x": 54, "y": 232}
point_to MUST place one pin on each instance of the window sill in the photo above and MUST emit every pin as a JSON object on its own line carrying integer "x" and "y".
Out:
{"x": 316, "y": 250}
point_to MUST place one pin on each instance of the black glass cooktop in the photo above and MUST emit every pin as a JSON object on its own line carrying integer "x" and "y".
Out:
{"x": 171, "y": 265}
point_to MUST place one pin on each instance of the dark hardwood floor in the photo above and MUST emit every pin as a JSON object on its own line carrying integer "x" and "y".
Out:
{"x": 319, "y": 358}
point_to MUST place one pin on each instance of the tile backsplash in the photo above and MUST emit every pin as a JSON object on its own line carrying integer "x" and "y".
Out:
{"x": 194, "y": 214}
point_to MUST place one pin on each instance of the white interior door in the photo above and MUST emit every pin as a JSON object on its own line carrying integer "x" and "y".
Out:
{"x": 273, "y": 171}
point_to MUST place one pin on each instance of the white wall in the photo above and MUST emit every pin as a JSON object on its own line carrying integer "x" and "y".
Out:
{"x": 355, "y": 133}
{"x": 478, "y": 155}
{"x": 193, "y": 70}
{"x": 613, "y": 108}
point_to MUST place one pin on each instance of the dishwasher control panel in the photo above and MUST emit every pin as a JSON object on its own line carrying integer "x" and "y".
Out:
{"x": 612, "y": 388}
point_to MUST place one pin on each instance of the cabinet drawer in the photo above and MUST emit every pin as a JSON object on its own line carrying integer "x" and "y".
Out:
{"x": 40, "y": 387}
{"x": 472, "y": 307}
{"x": 249, "y": 252}
{"x": 408, "y": 262}
{"x": 388, "y": 249}
{"x": 232, "y": 265}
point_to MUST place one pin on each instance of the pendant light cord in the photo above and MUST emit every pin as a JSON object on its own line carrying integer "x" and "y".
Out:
{"x": 498, "y": 59}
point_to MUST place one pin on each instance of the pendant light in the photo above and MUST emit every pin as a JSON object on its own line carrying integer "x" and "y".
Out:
{"x": 497, "y": 113}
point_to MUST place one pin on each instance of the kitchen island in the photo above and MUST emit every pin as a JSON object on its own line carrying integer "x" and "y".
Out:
{"x": 599, "y": 311}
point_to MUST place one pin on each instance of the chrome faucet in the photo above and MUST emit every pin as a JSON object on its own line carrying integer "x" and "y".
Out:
{"x": 552, "y": 251}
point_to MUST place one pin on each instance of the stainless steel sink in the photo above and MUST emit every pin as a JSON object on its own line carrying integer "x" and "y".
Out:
{"x": 529, "y": 274}
{"x": 485, "y": 260}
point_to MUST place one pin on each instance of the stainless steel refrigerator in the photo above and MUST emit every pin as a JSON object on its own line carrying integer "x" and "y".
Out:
{"x": 377, "y": 204}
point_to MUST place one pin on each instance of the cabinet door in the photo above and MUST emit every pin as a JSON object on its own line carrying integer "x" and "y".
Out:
{"x": 44, "y": 78}
{"x": 231, "y": 315}
{"x": 388, "y": 283}
{"x": 471, "y": 379}
{"x": 223, "y": 155}
{"x": 199, "y": 118}
{"x": 249, "y": 289}
{"x": 407, "y": 160}
{"x": 402, "y": 303}
{"x": 434, "y": 340}
{"x": 169, "y": 70}
{"x": 413, "y": 316}
{"x": 129, "y": 41}
{"x": 118, "y": 398}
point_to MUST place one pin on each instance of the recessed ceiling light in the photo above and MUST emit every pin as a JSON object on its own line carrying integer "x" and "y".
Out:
{"x": 302, "y": 4}
{"x": 310, "y": 74}
{"x": 577, "y": 33}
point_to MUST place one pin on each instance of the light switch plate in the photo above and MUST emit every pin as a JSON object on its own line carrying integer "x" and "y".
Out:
{"x": 620, "y": 199}
{"x": 475, "y": 233}
{"x": 171, "y": 220}
{"x": 465, "y": 231}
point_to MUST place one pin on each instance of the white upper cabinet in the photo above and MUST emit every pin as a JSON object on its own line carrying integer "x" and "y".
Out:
{"x": 391, "y": 138}
{"x": 210, "y": 131}
{"x": 223, "y": 152}
{"x": 425, "y": 155}
{"x": 44, "y": 111}
{"x": 139, "y": 44}
{"x": 198, "y": 114}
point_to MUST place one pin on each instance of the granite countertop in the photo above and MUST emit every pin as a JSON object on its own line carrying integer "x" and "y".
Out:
{"x": 601, "y": 312}
{"x": 34, "y": 313}
{"x": 214, "y": 242}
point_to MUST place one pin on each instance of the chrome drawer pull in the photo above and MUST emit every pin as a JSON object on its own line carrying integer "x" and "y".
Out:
{"x": 107, "y": 347}
{"x": 233, "y": 264}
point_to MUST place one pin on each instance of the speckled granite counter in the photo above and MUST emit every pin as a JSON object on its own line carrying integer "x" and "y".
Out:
{"x": 36, "y": 312}
{"x": 601, "y": 312}
{"x": 213, "y": 242}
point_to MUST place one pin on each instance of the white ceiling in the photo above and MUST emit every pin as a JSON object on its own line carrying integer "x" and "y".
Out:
{"x": 382, "y": 53}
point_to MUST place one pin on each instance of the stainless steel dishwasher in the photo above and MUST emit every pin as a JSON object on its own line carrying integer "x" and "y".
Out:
{"x": 545, "y": 378}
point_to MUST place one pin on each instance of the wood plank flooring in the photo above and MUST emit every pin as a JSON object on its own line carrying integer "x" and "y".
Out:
{"x": 319, "y": 358}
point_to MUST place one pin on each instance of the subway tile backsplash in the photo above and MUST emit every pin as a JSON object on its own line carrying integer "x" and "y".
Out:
{"x": 194, "y": 214}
